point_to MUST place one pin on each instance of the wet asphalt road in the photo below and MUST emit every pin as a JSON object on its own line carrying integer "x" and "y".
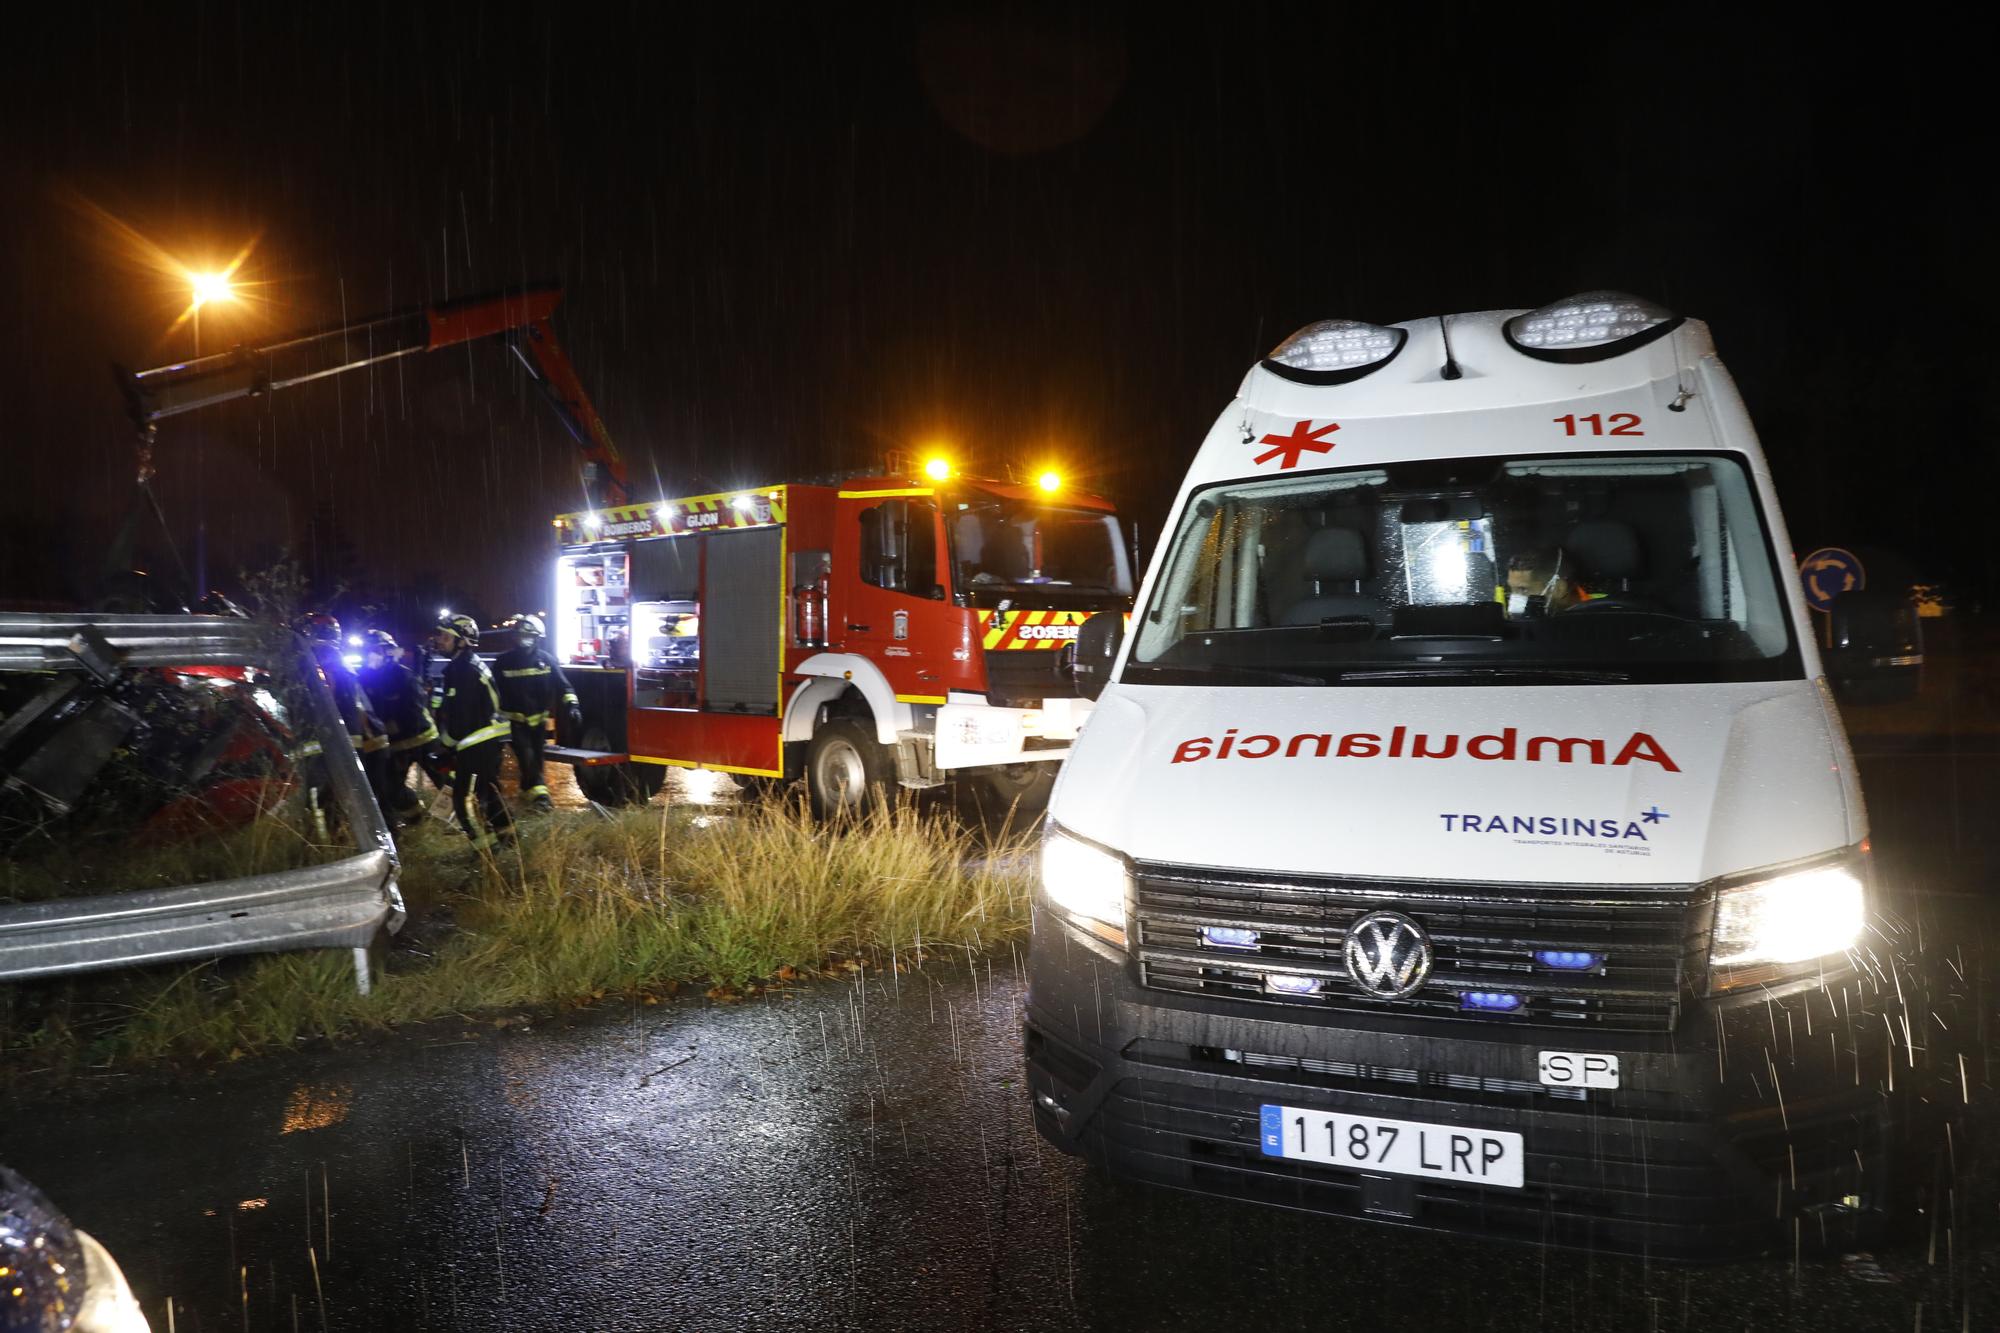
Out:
{"x": 859, "y": 1155}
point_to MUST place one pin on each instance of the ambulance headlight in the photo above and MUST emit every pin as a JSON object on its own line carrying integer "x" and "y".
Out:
{"x": 1086, "y": 883}
{"x": 1590, "y": 327}
{"x": 1334, "y": 351}
{"x": 1775, "y": 928}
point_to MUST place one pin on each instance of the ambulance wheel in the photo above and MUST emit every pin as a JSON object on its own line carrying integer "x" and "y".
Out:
{"x": 847, "y": 771}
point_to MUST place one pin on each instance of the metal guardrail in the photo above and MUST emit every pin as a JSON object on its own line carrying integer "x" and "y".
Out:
{"x": 344, "y": 903}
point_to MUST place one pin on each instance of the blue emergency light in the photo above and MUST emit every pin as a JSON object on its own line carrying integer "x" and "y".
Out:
{"x": 1490, "y": 1001}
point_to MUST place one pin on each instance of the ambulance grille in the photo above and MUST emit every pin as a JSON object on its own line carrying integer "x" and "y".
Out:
{"x": 1651, "y": 945}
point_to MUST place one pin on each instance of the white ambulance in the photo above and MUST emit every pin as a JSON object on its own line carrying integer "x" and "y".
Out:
{"x": 1465, "y": 836}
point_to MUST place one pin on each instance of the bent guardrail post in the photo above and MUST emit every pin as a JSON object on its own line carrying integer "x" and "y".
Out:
{"x": 338, "y": 904}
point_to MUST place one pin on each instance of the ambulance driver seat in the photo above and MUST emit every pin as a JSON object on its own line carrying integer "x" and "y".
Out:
{"x": 1336, "y": 562}
{"x": 1607, "y": 557}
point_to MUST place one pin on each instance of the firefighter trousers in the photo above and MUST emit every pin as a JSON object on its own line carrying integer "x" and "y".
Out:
{"x": 392, "y": 781}
{"x": 475, "y": 792}
{"x": 528, "y": 740}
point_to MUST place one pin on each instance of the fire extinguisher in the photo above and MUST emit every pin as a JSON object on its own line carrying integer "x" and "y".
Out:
{"x": 806, "y": 606}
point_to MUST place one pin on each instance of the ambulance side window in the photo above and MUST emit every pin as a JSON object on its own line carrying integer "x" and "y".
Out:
{"x": 899, "y": 548}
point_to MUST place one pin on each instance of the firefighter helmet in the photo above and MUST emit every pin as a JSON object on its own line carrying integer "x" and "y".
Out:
{"x": 378, "y": 640}
{"x": 464, "y": 626}
{"x": 528, "y": 624}
{"x": 216, "y": 603}
{"x": 319, "y": 627}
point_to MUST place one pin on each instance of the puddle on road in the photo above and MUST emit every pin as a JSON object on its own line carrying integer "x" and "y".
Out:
{"x": 315, "y": 1107}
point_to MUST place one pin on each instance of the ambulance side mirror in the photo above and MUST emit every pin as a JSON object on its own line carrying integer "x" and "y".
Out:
{"x": 1098, "y": 640}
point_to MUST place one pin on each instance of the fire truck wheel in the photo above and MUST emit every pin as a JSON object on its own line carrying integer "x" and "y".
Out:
{"x": 754, "y": 788}
{"x": 1020, "y": 790}
{"x": 847, "y": 770}
{"x": 642, "y": 782}
{"x": 617, "y": 784}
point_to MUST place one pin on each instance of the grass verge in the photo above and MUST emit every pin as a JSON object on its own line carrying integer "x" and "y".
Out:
{"x": 580, "y": 908}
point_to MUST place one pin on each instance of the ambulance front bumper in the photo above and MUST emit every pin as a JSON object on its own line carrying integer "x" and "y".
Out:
{"x": 1697, "y": 1153}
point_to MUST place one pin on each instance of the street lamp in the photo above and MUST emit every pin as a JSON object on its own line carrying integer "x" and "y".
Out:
{"x": 206, "y": 288}
{"x": 210, "y": 287}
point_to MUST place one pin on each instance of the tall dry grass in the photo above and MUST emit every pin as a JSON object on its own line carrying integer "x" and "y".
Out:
{"x": 66, "y": 864}
{"x": 584, "y": 907}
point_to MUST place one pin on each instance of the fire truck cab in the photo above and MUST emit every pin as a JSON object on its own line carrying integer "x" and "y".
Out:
{"x": 886, "y": 630}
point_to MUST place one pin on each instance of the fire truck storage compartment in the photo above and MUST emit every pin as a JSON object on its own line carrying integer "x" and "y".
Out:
{"x": 667, "y": 628}
{"x": 741, "y": 626}
{"x": 591, "y": 607}
{"x": 592, "y": 624}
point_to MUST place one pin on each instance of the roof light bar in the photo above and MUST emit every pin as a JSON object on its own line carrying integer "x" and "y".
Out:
{"x": 1590, "y": 327}
{"x": 1334, "y": 351}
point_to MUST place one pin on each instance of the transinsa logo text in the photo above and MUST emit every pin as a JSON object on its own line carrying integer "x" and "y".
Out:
{"x": 1546, "y": 826}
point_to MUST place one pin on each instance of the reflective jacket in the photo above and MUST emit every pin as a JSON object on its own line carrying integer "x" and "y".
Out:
{"x": 396, "y": 699}
{"x": 531, "y": 685}
{"x": 470, "y": 713}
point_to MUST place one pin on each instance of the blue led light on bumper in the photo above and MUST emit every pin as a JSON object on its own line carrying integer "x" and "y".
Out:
{"x": 1568, "y": 960}
{"x": 1490, "y": 1001}
{"x": 1228, "y": 937}
{"x": 1290, "y": 985}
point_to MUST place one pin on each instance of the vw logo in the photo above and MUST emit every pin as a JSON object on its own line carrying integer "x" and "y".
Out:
{"x": 1388, "y": 955}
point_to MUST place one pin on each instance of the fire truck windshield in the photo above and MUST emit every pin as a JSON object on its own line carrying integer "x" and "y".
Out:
{"x": 997, "y": 544}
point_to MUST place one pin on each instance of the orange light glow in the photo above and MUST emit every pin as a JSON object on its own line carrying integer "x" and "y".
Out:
{"x": 315, "y": 1108}
{"x": 1049, "y": 481}
{"x": 211, "y": 287}
{"x": 937, "y": 468}
{"x": 166, "y": 276}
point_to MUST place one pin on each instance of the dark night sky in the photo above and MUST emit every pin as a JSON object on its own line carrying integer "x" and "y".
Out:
{"x": 794, "y": 239}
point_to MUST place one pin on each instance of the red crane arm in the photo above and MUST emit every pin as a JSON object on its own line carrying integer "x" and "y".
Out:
{"x": 522, "y": 317}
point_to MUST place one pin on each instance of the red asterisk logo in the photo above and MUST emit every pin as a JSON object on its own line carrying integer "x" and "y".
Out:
{"x": 1291, "y": 447}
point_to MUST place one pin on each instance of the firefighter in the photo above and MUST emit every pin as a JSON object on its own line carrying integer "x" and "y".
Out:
{"x": 532, "y": 687}
{"x": 471, "y": 726}
{"x": 322, "y": 633}
{"x": 396, "y": 700}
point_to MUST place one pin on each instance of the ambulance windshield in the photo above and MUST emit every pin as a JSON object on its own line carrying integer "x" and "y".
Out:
{"x": 1570, "y": 569}
{"x": 1001, "y": 545}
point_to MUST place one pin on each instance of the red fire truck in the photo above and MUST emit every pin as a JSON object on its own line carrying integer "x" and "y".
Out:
{"x": 879, "y": 631}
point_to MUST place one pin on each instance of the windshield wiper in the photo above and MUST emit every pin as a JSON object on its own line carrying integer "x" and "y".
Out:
{"x": 1442, "y": 671}
{"x": 1230, "y": 671}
